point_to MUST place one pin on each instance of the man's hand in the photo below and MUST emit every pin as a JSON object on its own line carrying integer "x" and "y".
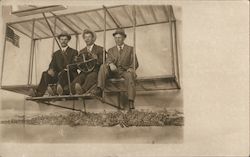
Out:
{"x": 51, "y": 72}
{"x": 112, "y": 67}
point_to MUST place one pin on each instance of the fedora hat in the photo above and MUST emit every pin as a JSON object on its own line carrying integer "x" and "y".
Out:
{"x": 86, "y": 31}
{"x": 64, "y": 34}
{"x": 120, "y": 31}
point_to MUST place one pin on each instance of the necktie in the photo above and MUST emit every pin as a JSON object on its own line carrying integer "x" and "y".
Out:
{"x": 88, "y": 49}
{"x": 120, "y": 49}
{"x": 89, "y": 52}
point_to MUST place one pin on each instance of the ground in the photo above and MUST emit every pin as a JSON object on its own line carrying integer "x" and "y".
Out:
{"x": 158, "y": 120}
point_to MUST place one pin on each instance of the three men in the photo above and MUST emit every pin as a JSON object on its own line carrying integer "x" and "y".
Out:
{"x": 120, "y": 63}
{"x": 86, "y": 79}
{"x": 57, "y": 72}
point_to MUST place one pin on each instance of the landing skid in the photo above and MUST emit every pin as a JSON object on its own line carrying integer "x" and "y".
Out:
{"x": 48, "y": 100}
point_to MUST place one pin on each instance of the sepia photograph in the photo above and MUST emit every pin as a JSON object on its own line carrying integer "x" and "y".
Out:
{"x": 108, "y": 74}
{"x": 123, "y": 78}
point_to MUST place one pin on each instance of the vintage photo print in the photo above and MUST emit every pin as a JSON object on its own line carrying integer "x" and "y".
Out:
{"x": 124, "y": 78}
{"x": 112, "y": 72}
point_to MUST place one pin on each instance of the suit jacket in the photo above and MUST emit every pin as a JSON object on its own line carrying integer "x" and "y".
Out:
{"x": 60, "y": 61}
{"x": 124, "y": 60}
{"x": 96, "y": 50}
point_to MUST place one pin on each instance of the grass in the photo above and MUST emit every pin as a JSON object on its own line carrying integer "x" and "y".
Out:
{"x": 106, "y": 119}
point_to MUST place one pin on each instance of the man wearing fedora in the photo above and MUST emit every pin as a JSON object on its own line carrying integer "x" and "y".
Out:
{"x": 57, "y": 71}
{"x": 119, "y": 63}
{"x": 87, "y": 78}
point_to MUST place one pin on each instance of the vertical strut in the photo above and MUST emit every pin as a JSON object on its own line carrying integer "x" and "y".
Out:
{"x": 171, "y": 39}
{"x": 53, "y": 44}
{"x": 3, "y": 56}
{"x": 53, "y": 34}
{"x": 104, "y": 39}
{"x": 31, "y": 53}
{"x": 134, "y": 29}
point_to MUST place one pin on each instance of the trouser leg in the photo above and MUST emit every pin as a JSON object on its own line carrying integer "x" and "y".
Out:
{"x": 91, "y": 79}
{"x": 79, "y": 79}
{"x": 63, "y": 78}
{"x": 130, "y": 83}
{"x": 63, "y": 81}
{"x": 102, "y": 76}
{"x": 45, "y": 80}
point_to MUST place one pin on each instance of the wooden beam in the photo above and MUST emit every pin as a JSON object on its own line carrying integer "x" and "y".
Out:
{"x": 41, "y": 29}
{"x": 101, "y": 30}
{"x": 134, "y": 31}
{"x": 116, "y": 22}
{"x": 177, "y": 54}
{"x": 171, "y": 42}
{"x": 58, "y": 17}
{"x": 3, "y": 56}
{"x": 30, "y": 71}
{"x": 104, "y": 35}
{"x": 53, "y": 43}
{"x": 102, "y": 19}
{"x": 56, "y": 22}
{"x": 52, "y": 31}
{"x": 73, "y": 23}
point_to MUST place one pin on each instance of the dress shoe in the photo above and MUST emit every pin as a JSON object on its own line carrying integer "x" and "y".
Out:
{"x": 59, "y": 89}
{"x": 50, "y": 91}
{"x": 78, "y": 89}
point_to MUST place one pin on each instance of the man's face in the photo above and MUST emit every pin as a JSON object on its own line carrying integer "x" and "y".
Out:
{"x": 88, "y": 38}
{"x": 119, "y": 39}
{"x": 64, "y": 41}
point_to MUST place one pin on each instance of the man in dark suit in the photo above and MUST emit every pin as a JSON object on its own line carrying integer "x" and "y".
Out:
{"x": 120, "y": 63}
{"x": 87, "y": 78}
{"x": 57, "y": 72}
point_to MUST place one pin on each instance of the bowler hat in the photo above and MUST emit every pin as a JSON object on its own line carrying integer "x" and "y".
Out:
{"x": 86, "y": 31}
{"x": 64, "y": 34}
{"x": 120, "y": 31}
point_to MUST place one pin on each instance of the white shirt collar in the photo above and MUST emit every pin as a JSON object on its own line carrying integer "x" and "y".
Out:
{"x": 120, "y": 46}
{"x": 64, "y": 48}
{"x": 90, "y": 47}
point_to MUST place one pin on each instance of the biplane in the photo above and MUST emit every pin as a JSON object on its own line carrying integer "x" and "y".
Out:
{"x": 101, "y": 20}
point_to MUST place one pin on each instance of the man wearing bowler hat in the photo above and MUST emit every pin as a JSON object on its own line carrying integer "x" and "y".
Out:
{"x": 119, "y": 63}
{"x": 92, "y": 55}
{"x": 57, "y": 71}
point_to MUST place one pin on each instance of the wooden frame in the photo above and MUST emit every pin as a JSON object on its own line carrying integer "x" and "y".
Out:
{"x": 168, "y": 11}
